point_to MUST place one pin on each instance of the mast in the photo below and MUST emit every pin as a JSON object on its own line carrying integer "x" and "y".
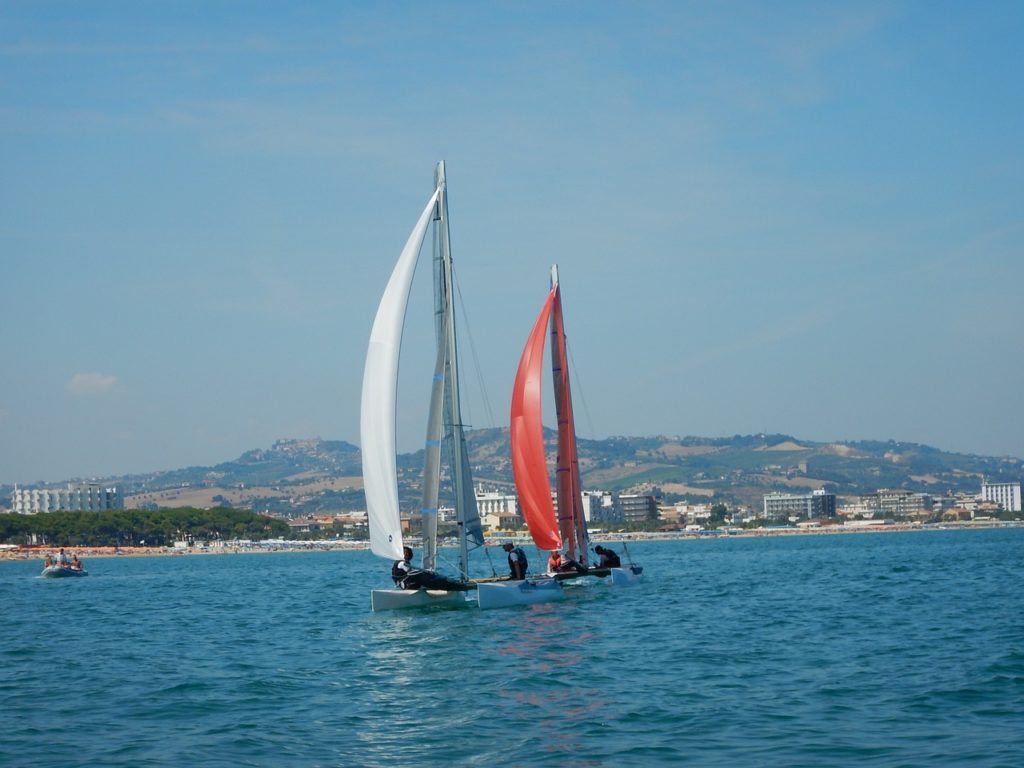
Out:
{"x": 467, "y": 517}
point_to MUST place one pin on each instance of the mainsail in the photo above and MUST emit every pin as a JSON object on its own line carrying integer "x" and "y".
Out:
{"x": 444, "y": 425}
{"x": 571, "y": 520}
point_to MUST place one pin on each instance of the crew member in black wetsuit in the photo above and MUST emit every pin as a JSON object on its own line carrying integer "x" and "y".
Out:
{"x": 517, "y": 564}
{"x": 407, "y": 577}
{"x": 403, "y": 570}
{"x": 608, "y": 557}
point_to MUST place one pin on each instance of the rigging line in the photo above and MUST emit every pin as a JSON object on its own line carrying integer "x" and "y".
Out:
{"x": 448, "y": 562}
{"x": 472, "y": 349}
{"x": 490, "y": 562}
{"x": 579, "y": 388}
{"x": 442, "y": 560}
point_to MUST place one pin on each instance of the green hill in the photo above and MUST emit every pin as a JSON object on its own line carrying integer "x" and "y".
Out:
{"x": 293, "y": 475}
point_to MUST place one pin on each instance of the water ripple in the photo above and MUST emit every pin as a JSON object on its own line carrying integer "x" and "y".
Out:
{"x": 904, "y": 649}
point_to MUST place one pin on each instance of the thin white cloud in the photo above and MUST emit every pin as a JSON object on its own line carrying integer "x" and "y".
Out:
{"x": 90, "y": 384}
{"x": 38, "y": 48}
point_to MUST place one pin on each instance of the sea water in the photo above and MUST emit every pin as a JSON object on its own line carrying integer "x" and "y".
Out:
{"x": 902, "y": 649}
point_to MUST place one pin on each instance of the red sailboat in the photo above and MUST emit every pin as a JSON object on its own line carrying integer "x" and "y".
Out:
{"x": 565, "y": 530}
{"x": 556, "y": 527}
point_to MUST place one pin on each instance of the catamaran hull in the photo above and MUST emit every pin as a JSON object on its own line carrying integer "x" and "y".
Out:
{"x": 62, "y": 571}
{"x": 623, "y": 577}
{"x": 400, "y": 599}
{"x": 503, "y": 594}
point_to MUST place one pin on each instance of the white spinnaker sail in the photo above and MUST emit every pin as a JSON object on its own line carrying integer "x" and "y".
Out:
{"x": 380, "y": 391}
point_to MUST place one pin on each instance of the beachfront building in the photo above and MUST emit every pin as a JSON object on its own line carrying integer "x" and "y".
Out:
{"x": 897, "y": 503}
{"x": 782, "y": 506}
{"x": 600, "y": 507}
{"x": 635, "y": 508}
{"x": 308, "y": 524}
{"x": 83, "y": 497}
{"x": 501, "y": 522}
{"x": 1006, "y": 495}
{"x": 501, "y": 508}
{"x": 691, "y": 514}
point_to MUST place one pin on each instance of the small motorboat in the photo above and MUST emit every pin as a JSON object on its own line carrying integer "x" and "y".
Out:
{"x": 62, "y": 571}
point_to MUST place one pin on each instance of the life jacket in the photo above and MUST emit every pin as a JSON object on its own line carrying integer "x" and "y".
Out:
{"x": 517, "y": 556}
{"x": 399, "y": 571}
{"x": 554, "y": 561}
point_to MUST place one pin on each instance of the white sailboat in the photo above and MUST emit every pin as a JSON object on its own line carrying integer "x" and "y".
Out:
{"x": 377, "y": 422}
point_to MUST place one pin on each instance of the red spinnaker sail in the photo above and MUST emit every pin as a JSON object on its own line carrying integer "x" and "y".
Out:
{"x": 529, "y": 464}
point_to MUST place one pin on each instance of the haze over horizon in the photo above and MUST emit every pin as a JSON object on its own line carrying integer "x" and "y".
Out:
{"x": 802, "y": 219}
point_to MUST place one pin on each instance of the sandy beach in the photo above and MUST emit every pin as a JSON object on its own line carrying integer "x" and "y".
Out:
{"x": 38, "y": 552}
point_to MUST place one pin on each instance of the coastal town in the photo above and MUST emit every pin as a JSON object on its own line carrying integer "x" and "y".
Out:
{"x": 610, "y": 516}
{"x": 309, "y": 494}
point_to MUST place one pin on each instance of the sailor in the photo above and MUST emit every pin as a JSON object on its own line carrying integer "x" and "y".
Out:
{"x": 554, "y": 562}
{"x": 608, "y": 557}
{"x": 517, "y": 564}
{"x": 407, "y": 577}
{"x": 402, "y": 569}
{"x": 559, "y": 563}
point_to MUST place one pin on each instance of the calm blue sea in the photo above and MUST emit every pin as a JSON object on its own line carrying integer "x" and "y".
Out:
{"x": 903, "y": 649}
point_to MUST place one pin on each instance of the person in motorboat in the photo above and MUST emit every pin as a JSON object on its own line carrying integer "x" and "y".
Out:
{"x": 608, "y": 557}
{"x": 48, "y": 560}
{"x": 62, "y": 558}
{"x": 76, "y": 563}
{"x": 517, "y": 564}
{"x": 407, "y": 577}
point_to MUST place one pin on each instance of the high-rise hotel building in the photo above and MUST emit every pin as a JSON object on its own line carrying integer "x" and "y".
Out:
{"x": 86, "y": 497}
{"x": 1005, "y": 494}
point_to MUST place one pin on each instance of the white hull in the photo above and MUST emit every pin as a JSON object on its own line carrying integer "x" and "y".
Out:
{"x": 623, "y": 577}
{"x": 62, "y": 571}
{"x": 400, "y": 599}
{"x": 502, "y": 594}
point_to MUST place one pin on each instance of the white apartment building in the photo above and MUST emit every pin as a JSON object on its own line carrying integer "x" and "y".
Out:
{"x": 87, "y": 497}
{"x": 1007, "y": 495}
{"x": 600, "y": 507}
{"x": 496, "y": 505}
{"x": 692, "y": 514}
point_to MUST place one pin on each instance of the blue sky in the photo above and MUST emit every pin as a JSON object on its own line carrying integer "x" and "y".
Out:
{"x": 789, "y": 217}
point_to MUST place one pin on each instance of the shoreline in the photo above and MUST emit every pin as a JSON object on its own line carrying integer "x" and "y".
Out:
{"x": 39, "y": 552}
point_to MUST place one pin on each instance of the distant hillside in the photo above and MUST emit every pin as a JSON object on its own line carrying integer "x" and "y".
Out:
{"x": 743, "y": 468}
{"x": 310, "y": 476}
